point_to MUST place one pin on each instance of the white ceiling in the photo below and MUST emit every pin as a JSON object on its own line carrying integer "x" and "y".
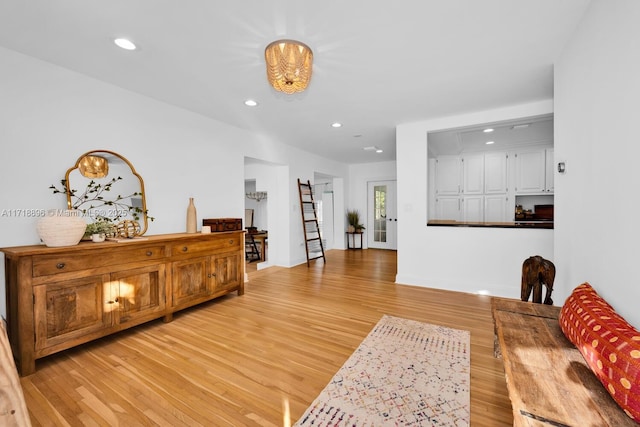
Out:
{"x": 504, "y": 136}
{"x": 376, "y": 63}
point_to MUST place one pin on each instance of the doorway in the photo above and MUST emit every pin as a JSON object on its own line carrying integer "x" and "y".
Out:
{"x": 264, "y": 178}
{"x": 382, "y": 221}
{"x": 323, "y": 196}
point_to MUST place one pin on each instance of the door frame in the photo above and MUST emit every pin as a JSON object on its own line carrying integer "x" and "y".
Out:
{"x": 392, "y": 218}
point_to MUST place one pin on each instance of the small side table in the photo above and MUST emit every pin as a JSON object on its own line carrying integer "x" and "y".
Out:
{"x": 351, "y": 239}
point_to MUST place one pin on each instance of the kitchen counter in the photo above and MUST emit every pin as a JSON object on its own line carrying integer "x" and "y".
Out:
{"x": 507, "y": 224}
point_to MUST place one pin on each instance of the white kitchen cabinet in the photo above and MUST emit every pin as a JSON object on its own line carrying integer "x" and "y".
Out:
{"x": 484, "y": 186}
{"x": 531, "y": 171}
{"x": 495, "y": 173}
{"x": 473, "y": 174}
{"x": 448, "y": 207}
{"x": 448, "y": 175}
{"x": 463, "y": 182}
{"x": 473, "y": 208}
{"x": 497, "y": 208}
{"x": 550, "y": 169}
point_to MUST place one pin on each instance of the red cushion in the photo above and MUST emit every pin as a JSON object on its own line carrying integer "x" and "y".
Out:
{"x": 610, "y": 345}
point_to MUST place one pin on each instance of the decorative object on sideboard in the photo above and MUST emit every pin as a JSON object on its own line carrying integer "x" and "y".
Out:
{"x": 257, "y": 195}
{"x": 99, "y": 230}
{"x": 98, "y": 237}
{"x": 223, "y": 224}
{"x": 61, "y": 228}
{"x": 191, "y": 216}
{"x": 289, "y": 65}
{"x": 127, "y": 229}
{"x": 104, "y": 185}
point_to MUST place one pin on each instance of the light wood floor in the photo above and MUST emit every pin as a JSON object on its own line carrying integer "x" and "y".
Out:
{"x": 259, "y": 359}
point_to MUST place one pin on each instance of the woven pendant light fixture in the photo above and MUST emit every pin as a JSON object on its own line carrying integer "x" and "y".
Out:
{"x": 94, "y": 167}
{"x": 289, "y": 65}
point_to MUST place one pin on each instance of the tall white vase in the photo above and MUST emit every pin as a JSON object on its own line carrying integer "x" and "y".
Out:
{"x": 61, "y": 228}
{"x": 191, "y": 217}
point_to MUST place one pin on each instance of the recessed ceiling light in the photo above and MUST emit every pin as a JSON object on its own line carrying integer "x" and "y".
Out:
{"x": 336, "y": 125}
{"x": 125, "y": 44}
{"x": 489, "y": 142}
{"x": 250, "y": 103}
{"x": 522, "y": 126}
{"x": 372, "y": 148}
{"x": 487, "y": 130}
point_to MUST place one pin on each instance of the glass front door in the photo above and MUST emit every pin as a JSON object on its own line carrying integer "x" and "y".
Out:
{"x": 381, "y": 216}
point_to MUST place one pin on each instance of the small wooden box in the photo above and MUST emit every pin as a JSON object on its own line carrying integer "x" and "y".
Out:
{"x": 223, "y": 224}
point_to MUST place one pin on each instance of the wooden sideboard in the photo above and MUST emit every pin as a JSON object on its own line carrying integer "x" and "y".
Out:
{"x": 58, "y": 298}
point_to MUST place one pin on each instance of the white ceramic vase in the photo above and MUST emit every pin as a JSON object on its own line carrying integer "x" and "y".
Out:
{"x": 61, "y": 228}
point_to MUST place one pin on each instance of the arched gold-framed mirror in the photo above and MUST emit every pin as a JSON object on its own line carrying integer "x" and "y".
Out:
{"x": 105, "y": 185}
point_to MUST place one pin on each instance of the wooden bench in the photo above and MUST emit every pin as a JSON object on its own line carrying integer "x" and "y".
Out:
{"x": 548, "y": 380}
{"x": 13, "y": 410}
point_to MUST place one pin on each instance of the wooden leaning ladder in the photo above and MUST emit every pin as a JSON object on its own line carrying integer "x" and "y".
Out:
{"x": 313, "y": 240}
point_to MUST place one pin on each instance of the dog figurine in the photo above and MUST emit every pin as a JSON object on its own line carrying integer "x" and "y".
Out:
{"x": 537, "y": 271}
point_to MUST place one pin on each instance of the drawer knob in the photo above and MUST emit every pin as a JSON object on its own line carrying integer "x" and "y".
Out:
{"x": 185, "y": 249}
{"x": 60, "y": 265}
{"x": 149, "y": 253}
{"x": 231, "y": 242}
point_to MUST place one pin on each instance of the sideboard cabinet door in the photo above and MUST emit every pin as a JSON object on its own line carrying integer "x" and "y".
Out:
{"x": 66, "y": 312}
{"x": 199, "y": 279}
{"x": 190, "y": 283}
{"x": 140, "y": 294}
{"x": 227, "y": 271}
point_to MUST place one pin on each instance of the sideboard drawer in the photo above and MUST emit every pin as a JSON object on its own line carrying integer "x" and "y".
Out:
{"x": 232, "y": 242}
{"x": 44, "y": 265}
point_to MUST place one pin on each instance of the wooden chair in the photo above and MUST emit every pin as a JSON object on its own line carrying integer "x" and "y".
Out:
{"x": 251, "y": 249}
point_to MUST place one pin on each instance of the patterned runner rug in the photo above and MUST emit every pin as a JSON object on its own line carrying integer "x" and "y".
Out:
{"x": 404, "y": 373}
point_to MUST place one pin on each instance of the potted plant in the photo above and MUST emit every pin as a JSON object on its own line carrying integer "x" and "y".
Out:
{"x": 353, "y": 221}
{"x": 100, "y": 229}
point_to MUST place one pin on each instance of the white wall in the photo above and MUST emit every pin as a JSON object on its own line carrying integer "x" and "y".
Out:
{"x": 597, "y": 93}
{"x": 49, "y": 116}
{"x": 458, "y": 258}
